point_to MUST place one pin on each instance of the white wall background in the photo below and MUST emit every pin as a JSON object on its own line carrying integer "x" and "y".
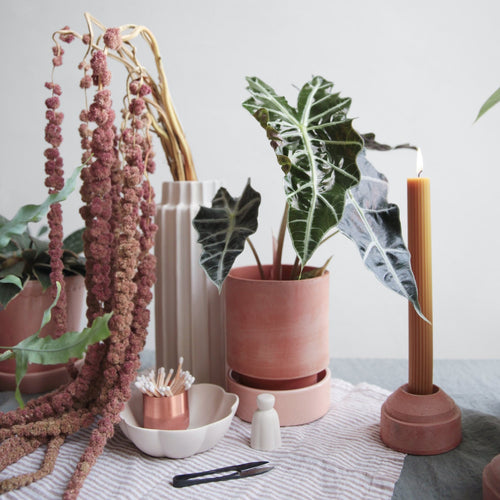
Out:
{"x": 417, "y": 72}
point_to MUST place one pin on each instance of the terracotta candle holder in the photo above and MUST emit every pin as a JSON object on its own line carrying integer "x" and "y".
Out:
{"x": 420, "y": 418}
{"x": 420, "y": 424}
{"x": 491, "y": 480}
{"x": 166, "y": 413}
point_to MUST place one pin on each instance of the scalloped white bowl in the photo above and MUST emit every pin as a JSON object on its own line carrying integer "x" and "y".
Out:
{"x": 211, "y": 410}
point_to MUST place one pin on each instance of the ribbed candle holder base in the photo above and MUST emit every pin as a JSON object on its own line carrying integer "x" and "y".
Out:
{"x": 418, "y": 424}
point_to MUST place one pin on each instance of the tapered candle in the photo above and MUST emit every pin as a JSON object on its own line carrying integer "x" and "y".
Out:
{"x": 419, "y": 244}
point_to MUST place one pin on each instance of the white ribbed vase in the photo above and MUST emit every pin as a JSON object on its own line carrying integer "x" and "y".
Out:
{"x": 188, "y": 308}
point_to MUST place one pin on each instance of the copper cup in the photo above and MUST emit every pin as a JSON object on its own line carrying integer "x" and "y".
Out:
{"x": 166, "y": 413}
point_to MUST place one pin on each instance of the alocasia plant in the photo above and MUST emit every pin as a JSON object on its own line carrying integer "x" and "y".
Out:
{"x": 329, "y": 186}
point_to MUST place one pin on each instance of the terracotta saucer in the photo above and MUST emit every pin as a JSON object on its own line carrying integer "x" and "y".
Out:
{"x": 294, "y": 406}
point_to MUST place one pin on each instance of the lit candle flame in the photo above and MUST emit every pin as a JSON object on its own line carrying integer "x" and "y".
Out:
{"x": 420, "y": 162}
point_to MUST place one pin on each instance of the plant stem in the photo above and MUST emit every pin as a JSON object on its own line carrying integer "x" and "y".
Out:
{"x": 295, "y": 269}
{"x": 277, "y": 268}
{"x": 259, "y": 265}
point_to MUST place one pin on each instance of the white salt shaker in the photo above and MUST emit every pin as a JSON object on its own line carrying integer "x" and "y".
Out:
{"x": 266, "y": 434}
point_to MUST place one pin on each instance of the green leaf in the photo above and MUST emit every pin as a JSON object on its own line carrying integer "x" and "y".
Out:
{"x": 223, "y": 230}
{"x": 47, "y": 314}
{"x": 41, "y": 246}
{"x": 74, "y": 241}
{"x": 21, "y": 369}
{"x": 6, "y": 355}
{"x": 34, "y": 213}
{"x": 316, "y": 147}
{"x": 313, "y": 273}
{"x": 13, "y": 266}
{"x": 371, "y": 143}
{"x": 10, "y": 287}
{"x": 374, "y": 225}
{"x": 490, "y": 102}
{"x": 44, "y": 229}
{"x": 20, "y": 241}
{"x": 12, "y": 279}
{"x": 49, "y": 351}
{"x": 42, "y": 274}
{"x": 22, "y": 357}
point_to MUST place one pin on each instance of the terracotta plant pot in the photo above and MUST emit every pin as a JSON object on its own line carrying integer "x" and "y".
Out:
{"x": 277, "y": 341}
{"x": 22, "y": 317}
{"x": 276, "y": 330}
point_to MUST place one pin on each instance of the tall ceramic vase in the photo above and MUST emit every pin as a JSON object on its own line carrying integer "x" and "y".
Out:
{"x": 188, "y": 311}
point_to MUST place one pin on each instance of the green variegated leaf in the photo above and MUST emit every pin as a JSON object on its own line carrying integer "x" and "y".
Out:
{"x": 374, "y": 225}
{"x": 316, "y": 147}
{"x": 223, "y": 230}
{"x": 74, "y": 241}
{"x": 34, "y": 213}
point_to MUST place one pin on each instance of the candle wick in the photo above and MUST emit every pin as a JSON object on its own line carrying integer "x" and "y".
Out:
{"x": 420, "y": 162}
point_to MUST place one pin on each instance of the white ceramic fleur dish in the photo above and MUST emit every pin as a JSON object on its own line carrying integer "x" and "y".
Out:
{"x": 211, "y": 410}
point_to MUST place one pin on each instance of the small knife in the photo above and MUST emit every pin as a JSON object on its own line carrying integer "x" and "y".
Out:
{"x": 236, "y": 472}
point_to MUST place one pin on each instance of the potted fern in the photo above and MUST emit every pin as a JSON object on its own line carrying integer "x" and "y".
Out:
{"x": 330, "y": 187}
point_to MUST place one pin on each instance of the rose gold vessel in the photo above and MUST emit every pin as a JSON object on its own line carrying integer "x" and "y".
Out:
{"x": 166, "y": 413}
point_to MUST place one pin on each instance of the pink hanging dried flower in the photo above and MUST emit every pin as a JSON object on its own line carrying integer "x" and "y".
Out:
{"x": 112, "y": 38}
{"x": 118, "y": 213}
{"x": 100, "y": 75}
{"x": 86, "y": 82}
{"x": 134, "y": 87}
{"x": 66, "y": 37}
{"x": 137, "y": 106}
{"x": 145, "y": 90}
{"x": 55, "y": 182}
{"x": 52, "y": 102}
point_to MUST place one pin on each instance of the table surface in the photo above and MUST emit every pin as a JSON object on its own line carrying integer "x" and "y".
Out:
{"x": 473, "y": 384}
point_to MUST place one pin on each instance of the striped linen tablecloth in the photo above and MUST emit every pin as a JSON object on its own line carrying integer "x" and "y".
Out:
{"x": 340, "y": 456}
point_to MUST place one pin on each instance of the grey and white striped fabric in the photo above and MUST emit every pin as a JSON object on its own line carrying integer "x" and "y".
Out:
{"x": 339, "y": 456}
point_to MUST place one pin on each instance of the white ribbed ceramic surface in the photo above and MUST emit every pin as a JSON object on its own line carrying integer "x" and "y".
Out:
{"x": 188, "y": 309}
